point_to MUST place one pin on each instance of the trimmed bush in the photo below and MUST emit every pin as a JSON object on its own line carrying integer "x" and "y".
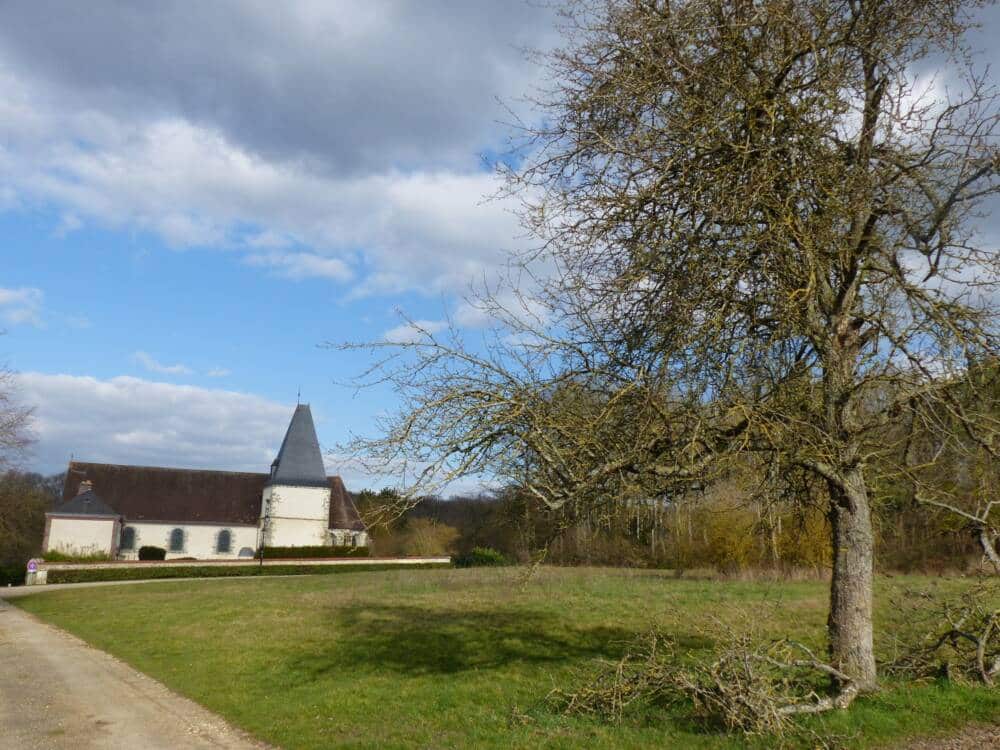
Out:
{"x": 481, "y": 556}
{"x": 152, "y": 553}
{"x": 298, "y": 553}
{"x": 212, "y": 571}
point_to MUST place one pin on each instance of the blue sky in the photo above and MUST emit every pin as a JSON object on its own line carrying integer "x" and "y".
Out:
{"x": 196, "y": 197}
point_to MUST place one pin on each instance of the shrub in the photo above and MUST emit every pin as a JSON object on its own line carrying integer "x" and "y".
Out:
{"x": 481, "y": 556}
{"x": 12, "y": 575}
{"x": 298, "y": 553}
{"x": 22, "y": 520}
{"x": 427, "y": 537}
{"x": 212, "y": 571}
{"x": 152, "y": 553}
{"x": 75, "y": 556}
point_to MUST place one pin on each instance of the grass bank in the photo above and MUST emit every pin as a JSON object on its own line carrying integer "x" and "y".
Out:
{"x": 461, "y": 658}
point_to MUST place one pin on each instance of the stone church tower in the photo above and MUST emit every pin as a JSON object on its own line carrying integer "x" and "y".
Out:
{"x": 295, "y": 507}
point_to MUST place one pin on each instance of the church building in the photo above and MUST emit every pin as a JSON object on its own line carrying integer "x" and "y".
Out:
{"x": 114, "y": 509}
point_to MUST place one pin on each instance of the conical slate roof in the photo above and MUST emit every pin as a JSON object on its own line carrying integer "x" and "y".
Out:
{"x": 299, "y": 461}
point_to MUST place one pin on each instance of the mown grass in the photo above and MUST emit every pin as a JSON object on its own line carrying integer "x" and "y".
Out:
{"x": 461, "y": 658}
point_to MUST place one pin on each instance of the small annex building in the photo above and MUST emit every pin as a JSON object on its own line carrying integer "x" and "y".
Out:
{"x": 114, "y": 509}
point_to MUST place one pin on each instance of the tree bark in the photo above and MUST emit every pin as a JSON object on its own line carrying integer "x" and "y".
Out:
{"x": 850, "y": 621}
{"x": 989, "y": 546}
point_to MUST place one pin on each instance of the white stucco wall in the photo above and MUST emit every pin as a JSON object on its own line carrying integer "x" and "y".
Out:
{"x": 81, "y": 535}
{"x": 296, "y": 532}
{"x": 299, "y": 516}
{"x": 298, "y": 502}
{"x": 200, "y": 540}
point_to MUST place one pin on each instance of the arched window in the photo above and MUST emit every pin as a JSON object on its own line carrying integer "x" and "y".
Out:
{"x": 128, "y": 538}
{"x": 177, "y": 540}
{"x": 225, "y": 541}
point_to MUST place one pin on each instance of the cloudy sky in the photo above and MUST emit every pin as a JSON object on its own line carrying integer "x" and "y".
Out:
{"x": 195, "y": 195}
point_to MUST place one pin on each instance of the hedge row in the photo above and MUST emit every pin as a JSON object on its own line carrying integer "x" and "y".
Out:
{"x": 212, "y": 571}
{"x": 295, "y": 553}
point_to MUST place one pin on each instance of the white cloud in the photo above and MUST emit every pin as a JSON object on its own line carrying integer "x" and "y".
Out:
{"x": 153, "y": 365}
{"x": 218, "y": 372}
{"x": 303, "y": 265}
{"x": 371, "y": 175}
{"x": 22, "y": 305}
{"x": 268, "y": 240}
{"x": 471, "y": 315}
{"x": 134, "y": 421}
{"x": 389, "y": 231}
{"x": 409, "y": 333}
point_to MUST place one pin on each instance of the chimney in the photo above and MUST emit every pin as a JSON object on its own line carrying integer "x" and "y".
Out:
{"x": 85, "y": 486}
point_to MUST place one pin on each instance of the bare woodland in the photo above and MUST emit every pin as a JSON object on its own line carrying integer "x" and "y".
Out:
{"x": 14, "y": 419}
{"x": 757, "y": 251}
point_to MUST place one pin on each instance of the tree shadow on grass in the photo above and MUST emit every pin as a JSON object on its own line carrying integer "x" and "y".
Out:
{"x": 415, "y": 640}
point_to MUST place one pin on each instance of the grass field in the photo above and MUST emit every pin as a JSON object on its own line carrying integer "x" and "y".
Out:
{"x": 458, "y": 658}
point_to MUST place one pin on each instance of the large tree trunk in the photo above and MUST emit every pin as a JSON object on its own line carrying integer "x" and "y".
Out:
{"x": 850, "y": 622}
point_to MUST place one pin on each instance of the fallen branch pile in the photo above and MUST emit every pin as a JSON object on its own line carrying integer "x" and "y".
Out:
{"x": 752, "y": 686}
{"x": 958, "y": 640}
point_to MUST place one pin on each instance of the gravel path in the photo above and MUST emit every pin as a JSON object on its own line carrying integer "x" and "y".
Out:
{"x": 58, "y": 693}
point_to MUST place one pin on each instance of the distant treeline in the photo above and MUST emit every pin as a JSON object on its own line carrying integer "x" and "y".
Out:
{"x": 719, "y": 528}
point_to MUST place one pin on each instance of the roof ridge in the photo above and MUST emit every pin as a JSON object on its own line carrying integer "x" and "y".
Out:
{"x": 169, "y": 468}
{"x": 74, "y": 462}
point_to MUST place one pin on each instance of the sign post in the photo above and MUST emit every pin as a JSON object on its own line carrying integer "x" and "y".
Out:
{"x": 33, "y": 575}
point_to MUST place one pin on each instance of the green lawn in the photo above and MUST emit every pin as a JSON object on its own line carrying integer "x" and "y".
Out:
{"x": 454, "y": 658}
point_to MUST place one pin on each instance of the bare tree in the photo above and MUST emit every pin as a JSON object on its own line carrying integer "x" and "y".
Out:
{"x": 757, "y": 236}
{"x": 951, "y": 453}
{"x": 14, "y": 420}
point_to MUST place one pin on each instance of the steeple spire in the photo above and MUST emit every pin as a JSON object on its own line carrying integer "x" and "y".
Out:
{"x": 299, "y": 461}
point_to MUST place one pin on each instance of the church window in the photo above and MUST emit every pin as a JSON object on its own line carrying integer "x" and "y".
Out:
{"x": 225, "y": 541}
{"x": 128, "y": 538}
{"x": 177, "y": 540}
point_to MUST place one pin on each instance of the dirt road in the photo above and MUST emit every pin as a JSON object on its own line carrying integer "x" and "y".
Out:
{"x": 58, "y": 693}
